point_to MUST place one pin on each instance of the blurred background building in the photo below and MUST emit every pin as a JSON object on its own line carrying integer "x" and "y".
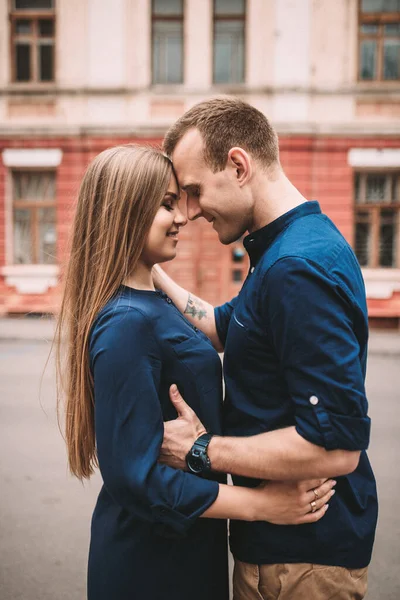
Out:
{"x": 77, "y": 76}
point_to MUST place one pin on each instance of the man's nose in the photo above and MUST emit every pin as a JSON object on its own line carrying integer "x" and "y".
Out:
{"x": 193, "y": 209}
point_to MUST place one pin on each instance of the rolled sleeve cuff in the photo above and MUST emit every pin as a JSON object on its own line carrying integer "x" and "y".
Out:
{"x": 332, "y": 431}
{"x": 172, "y": 523}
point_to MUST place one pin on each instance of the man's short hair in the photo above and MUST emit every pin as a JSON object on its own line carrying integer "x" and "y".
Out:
{"x": 224, "y": 123}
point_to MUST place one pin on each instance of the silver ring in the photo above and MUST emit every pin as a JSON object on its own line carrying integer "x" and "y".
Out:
{"x": 316, "y": 494}
{"x": 313, "y": 505}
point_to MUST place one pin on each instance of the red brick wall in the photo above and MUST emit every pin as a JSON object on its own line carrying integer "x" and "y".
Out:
{"x": 317, "y": 166}
{"x": 2, "y": 220}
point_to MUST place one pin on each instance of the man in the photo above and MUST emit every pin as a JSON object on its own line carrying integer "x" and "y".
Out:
{"x": 295, "y": 342}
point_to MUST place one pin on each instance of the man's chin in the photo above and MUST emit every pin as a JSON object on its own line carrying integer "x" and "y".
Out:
{"x": 227, "y": 238}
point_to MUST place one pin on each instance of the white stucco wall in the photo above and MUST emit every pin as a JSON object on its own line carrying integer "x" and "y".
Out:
{"x": 138, "y": 48}
{"x": 71, "y": 46}
{"x": 300, "y": 69}
{"x": 292, "y": 43}
{"x": 107, "y": 34}
{"x": 261, "y": 35}
{"x": 4, "y": 44}
{"x": 331, "y": 37}
{"x": 198, "y": 45}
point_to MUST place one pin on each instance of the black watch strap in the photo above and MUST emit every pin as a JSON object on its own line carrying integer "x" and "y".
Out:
{"x": 204, "y": 440}
{"x": 197, "y": 458}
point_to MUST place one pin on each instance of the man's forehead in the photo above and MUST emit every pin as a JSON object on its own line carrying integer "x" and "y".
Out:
{"x": 190, "y": 146}
{"x": 187, "y": 174}
{"x": 188, "y": 161}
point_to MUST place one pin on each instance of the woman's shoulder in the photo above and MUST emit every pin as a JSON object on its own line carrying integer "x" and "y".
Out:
{"x": 127, "y": 303}
{"x": 122, "y": 315}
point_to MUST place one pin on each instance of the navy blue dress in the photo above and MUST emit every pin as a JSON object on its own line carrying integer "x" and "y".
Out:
{"x": 147, "y": 540}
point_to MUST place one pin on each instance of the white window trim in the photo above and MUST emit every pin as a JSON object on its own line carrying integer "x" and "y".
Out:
{"x": 32, "y": 157}
{"x": 374, "y": 158}
{"x": 31, "y": 279}
{"x": 381, "y": 284}
{"x": 27, "y": 279}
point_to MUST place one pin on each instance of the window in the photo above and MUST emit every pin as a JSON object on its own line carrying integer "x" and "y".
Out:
{"x": 32, "y": 37}
{"x": 377, "y": 219}
{"x": 34, "y": 217}
{"x": 229, "y": 41}
{"x": 167, "y": 40}
{"x": 379, "y": 40}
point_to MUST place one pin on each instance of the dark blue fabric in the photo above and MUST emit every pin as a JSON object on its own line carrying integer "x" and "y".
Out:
{"x": 146, "y": 538}
{"x": 295, "y": 354}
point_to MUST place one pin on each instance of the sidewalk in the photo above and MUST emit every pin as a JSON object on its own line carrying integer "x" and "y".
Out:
{"x": 28, "y": 329}
{"x": 385, "y": 343}
{"x": 42, "y": 330}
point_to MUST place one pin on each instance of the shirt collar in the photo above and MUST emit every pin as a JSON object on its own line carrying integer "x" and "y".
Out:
{"x": 256, "y": 243}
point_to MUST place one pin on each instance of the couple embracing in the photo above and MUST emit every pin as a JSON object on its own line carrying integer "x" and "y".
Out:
{"x": 143, "y": 380}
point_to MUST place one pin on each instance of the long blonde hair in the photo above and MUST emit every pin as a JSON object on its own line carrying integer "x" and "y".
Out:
{"x": 121, "y": 191}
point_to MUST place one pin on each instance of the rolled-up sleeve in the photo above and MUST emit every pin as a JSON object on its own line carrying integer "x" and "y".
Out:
{"x": 310, "y": 320}
{"x": 223, "y": 315}
{"x": 126, "y": 365}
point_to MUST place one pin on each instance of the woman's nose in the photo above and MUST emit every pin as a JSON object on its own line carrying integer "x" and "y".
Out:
{"x": 180, "y": 218}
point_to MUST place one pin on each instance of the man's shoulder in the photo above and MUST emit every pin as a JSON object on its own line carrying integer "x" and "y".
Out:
{"x": 312, "y": 239}
{"x": 313, "y": 249}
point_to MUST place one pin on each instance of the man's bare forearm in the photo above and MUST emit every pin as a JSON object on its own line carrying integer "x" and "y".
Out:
{"x": 197, "y": 311}
{"x": 278, "y": 455}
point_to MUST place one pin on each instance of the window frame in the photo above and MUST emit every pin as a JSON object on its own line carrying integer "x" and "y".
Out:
{"x": 381, "y": 19}
{"x": 374, "y": 208}
{"x": 231, "y": 17}
{"x": 181, "y": 19}
{"x": 33, "y": 39}
{"x": 33, "y": 206}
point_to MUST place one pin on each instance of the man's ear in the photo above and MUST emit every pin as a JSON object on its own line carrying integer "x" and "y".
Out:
{"x": 240, "y": 160}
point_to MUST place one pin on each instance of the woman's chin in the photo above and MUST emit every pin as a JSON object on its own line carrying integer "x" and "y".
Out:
{"x": 167, "y": 257}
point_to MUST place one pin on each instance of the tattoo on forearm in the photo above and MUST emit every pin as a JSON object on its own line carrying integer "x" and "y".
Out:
{"x": 195, "y": 308}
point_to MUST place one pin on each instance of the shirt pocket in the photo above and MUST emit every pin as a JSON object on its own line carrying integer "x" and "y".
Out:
{"x": 238, "y": 322}
{"x": 236, "y": 343}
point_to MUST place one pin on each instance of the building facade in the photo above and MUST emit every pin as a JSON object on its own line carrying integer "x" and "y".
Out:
{"x": 77, "y": 76}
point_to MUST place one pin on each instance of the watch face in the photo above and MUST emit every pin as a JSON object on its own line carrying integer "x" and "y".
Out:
{"x": 196, "y": 463}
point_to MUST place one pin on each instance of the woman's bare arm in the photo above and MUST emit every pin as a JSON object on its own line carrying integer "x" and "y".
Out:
{"x": 282, "y": 503}
{"x": 197, "y": 311}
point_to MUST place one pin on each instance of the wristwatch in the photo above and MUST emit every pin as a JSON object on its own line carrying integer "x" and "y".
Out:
{"x": 197, "y": 458}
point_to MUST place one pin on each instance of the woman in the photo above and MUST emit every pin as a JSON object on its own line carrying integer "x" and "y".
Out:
{"x": 126, "y": 344}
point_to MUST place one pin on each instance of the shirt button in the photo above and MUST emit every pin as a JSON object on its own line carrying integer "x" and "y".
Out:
{"x": 252, "y": 270}
{"x": 169, "y": 300}
{"x": 314, "y": 400}
{"x": 195, "y": 329}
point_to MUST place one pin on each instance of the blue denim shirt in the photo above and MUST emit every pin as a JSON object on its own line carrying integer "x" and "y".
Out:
{"x": 295, "y": 355}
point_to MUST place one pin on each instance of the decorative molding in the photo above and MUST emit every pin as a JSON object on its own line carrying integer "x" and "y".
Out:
{"x": 376, "y": 92}
{"x": 31, "y": 279}
{"x": 32, "y": 157}
{"x": 374, "y": 157}
{"x": 360, "y": 131}
{"x": 381, "y": 284}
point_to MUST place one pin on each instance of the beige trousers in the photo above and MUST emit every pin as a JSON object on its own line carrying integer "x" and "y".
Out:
{"x": 297, "y": 582}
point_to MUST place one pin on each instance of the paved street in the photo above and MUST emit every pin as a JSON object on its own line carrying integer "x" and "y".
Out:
{"x": 45, "y": 513}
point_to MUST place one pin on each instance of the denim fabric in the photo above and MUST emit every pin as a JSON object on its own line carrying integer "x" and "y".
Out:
{"x": 295, "y": 355}
{"x": 146, "y": 537}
